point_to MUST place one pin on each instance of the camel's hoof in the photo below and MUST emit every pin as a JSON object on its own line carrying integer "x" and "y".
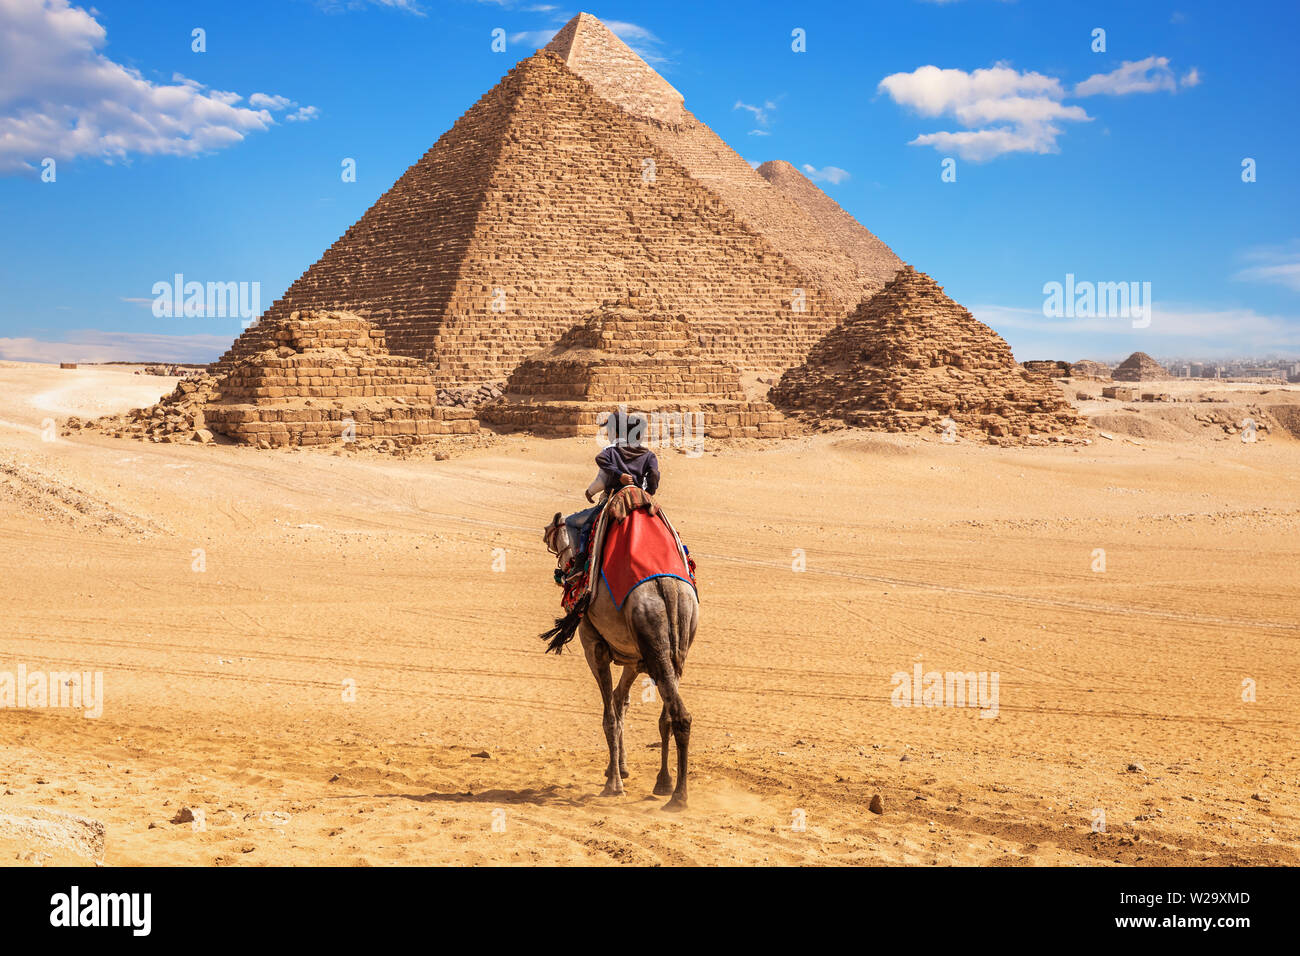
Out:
{"x": 611, "y": 792}
{"x": 624, "y": 774}
{"x": 663, "y": 786}
{"x": 675, "y": 805}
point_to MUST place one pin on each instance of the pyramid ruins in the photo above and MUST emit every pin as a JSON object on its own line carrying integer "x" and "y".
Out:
{"x": 329, "y": 377}
{"x": 1139, "y": 367}
{"x": 1087, "y": 368}
{"x": 633, "y": 352}
{"x": 578, "y": 176}
{"x": 909, "y": 358}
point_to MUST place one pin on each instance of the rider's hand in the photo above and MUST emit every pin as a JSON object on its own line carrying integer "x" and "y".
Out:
{"x": 589, "y": 498}
{"x": 626, "y": 479}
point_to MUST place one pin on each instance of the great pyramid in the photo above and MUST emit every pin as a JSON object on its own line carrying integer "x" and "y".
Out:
{"x": 844, "y": 263}
{"x": 910, "y": 357}
{"x": 546, "y": 199}
{"x": 634, "y": 352}
{"x": 1139, "y": 367}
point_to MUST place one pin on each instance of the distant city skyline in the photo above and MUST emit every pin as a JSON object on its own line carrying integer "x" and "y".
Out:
{"x": 1003, "y": 148}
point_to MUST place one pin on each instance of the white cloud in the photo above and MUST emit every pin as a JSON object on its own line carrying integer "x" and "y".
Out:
{"x": 1277, "y": 265}
{"x": 1151, "y": 75}
{"x": 60, "y": 97}
{"x": 1005, "y": 110}
{"x": 534, "y": 38}
{"x": 827, "y": 174}
{"x": 263, "y": 101}
{"x": 1028, "y": 103}
{"x": 92, "y": 345}
{"x": 1175, "y": 328}
{"x": 303, "y": 114}
{"x": 642, "y": 41}
{"x": 339, "y": 6}
{"x": 760, "y": 112}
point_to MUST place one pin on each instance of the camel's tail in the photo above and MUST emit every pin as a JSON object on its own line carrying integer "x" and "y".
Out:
{"x": 565, "y": 627}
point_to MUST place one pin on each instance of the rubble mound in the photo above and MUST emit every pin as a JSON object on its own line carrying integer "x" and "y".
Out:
{"x": 634, "y": 352}
{"x": 1139, "y": 367}
{"x": 909, "y": 358}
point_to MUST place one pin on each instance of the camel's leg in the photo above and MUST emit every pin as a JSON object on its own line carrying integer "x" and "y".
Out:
{"x": 680, "y": 719}
{"x": 598, "y": 661}
{"x": 664, "y": 782}
{"x": 675, "y": 716}
{"x": 621, "y": 693}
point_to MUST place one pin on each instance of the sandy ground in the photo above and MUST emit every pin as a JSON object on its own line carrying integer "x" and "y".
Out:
{"x": 230, "y": 598}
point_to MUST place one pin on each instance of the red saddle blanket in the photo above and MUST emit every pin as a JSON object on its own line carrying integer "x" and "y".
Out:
{"x": 638, "y": 549}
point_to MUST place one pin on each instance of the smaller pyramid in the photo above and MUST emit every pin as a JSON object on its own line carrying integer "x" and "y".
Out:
{"x": 630, "y": 352}
{"x": 329, "y": 378}
{"x": 1139, "y": 367}
{"x": 1087, "y": 368}
{"x": 908, "y": 358}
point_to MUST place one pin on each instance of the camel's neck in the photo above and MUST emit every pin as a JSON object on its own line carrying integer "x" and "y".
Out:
{"x": 562, "y": 559}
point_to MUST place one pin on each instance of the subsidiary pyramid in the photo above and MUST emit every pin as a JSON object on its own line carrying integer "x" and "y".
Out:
{"x": 845, "y": 273}
{"x": 1139, "y": 367}
{"x": 910, "y": 357}
{"x": 636, "y": 353}
{"x": 329, "y": 377}
{"x": 541, "y": 202}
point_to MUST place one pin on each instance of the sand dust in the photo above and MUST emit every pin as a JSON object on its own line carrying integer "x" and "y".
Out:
{"x": 224, "y": 687}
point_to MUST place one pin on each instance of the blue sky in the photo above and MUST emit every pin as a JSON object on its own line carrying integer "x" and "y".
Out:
{"x": 1122, "y": 165}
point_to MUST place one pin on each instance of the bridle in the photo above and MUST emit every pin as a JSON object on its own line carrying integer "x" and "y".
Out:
{"x": 556, "y": 536}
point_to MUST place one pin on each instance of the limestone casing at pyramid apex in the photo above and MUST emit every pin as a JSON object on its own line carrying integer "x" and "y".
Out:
{"x": 589, "y": 48}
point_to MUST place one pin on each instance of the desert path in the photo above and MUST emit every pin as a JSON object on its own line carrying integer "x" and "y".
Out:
{"x": 225, "y": 687}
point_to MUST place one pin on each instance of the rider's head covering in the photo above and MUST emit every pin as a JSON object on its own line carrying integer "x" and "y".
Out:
{"x": 627, "y": 430}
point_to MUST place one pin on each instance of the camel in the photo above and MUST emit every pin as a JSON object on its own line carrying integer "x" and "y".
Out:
{"x": 650, "y": 634}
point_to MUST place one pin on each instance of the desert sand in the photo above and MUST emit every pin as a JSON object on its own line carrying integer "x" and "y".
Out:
{"x": 1120, "y": 691}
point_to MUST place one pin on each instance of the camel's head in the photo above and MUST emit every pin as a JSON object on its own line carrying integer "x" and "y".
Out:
{"x": 556, "y": 536}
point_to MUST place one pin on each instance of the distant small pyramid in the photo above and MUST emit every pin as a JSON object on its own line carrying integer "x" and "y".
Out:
{"x": 876, "y": 262}
{"x": 631, "y": 352}
{"x": 1139, "y": 367}
{"x": 1087, "y": 368}
{"x": 910, "y": 357}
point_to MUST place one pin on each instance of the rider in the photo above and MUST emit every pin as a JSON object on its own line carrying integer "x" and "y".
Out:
{"x": 625, "y": 461}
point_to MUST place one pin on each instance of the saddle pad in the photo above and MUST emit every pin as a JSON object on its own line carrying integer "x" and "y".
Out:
{"x": 638, "y": 549}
